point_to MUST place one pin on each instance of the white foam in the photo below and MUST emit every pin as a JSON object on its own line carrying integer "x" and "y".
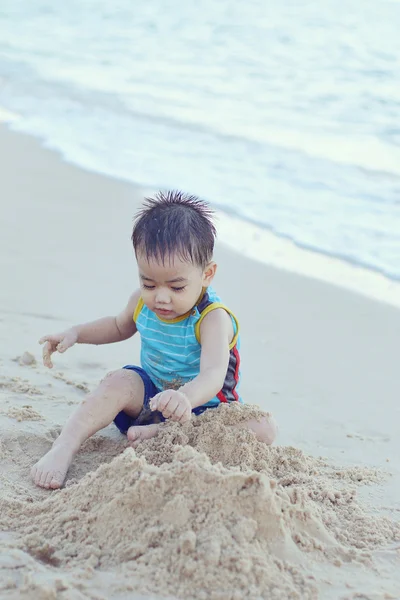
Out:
{"x": 7, "y": 116}
{"x": 261, "y": 245}
{"x": 363, "y": 151}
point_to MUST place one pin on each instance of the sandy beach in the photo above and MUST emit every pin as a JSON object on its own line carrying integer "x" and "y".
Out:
{"x": 198, "y": 512}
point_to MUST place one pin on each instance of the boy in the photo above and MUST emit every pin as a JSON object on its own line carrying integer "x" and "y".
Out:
{"x": 189, "y": 340}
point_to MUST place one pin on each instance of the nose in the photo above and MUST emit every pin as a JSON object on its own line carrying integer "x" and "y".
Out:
{"x": 163, "y": 296}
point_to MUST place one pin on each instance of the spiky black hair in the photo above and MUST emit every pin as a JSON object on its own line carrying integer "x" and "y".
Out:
{"x": 175, "y": 223}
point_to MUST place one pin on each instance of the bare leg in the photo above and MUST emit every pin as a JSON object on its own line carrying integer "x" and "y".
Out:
{"x": 119, "y": 390}
{"x": 265, "y": 430}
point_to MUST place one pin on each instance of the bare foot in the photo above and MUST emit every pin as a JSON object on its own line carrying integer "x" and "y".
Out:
{"x": 265, "y": 430}
{"x": 50, "y": 471}
{"x": 138, "y": 433}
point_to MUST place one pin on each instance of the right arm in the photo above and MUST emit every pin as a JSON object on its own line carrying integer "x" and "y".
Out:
{"x": 109, "y": 329}
{"x": 102, "y": 331}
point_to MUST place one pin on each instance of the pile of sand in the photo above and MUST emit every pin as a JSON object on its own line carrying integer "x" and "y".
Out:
{"x": 26, "y": 359}
{"x": 24, "y": 413}
{"x": 202, "y": 511}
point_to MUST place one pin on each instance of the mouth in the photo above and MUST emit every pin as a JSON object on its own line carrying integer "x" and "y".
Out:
{"x": 163, "y": 312}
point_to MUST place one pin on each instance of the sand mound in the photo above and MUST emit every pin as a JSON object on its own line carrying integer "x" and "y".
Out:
{"x": 204, "y": 511}
{"x": 26, "y": 360}
{"x": 24, "y": 413}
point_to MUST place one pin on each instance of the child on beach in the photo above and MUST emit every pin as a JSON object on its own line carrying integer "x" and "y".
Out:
{"x": 189, "y": 339}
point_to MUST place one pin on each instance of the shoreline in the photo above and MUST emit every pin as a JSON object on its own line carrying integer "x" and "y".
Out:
{"x": 259, "y": 244}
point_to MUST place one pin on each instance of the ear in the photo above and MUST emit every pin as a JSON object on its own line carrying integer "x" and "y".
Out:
{"x": 209, "y": 273}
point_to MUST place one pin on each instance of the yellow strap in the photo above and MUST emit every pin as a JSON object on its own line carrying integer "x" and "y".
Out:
{"x": 207, "y": 310}
{"x": 137, "y": 310}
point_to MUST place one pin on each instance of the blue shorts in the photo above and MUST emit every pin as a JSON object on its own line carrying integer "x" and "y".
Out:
{"x": 147, "y": 416}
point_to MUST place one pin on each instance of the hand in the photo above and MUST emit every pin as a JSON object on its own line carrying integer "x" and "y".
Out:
{"x": 59, "y": 342}
{"x": 173, "y": 405}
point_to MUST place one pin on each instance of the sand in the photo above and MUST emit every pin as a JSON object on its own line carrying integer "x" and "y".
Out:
{"x": 203, "y": 510}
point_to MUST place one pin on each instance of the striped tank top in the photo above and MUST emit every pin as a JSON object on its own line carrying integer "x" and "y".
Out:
{"x": 170, "y": 350}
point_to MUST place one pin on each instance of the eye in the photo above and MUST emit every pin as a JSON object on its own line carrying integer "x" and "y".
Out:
{"x": 179, "y": 289}
{"x": 148, "y": 287}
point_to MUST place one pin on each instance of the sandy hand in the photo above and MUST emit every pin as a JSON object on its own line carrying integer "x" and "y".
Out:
{"x": 173, "y": 405}
{"x": 58, "y": 342}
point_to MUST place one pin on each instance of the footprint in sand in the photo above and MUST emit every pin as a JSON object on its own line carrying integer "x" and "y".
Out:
{"x": 83, "y": 386}
{"x": 369, "y": 438}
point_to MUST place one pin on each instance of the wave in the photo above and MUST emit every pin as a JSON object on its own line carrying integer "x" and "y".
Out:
{"x": 285, "y": 173}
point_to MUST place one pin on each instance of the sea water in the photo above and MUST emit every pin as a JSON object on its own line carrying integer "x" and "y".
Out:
{"x": 282, "y": 114}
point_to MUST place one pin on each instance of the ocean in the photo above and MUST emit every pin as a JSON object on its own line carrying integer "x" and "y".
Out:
{"x": 282, "y": 114}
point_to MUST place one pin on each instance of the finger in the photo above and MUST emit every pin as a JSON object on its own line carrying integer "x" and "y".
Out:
{"x": 47, "y": 338}
{"x": 48, "y": 363}
{"x": 187, "y": 415}
{"x": 171, "y": 407}
{"x": 66, "y": 342}
{"x": 154, "y": 402}
{"x": 63, "y": 346}
{"x": 163, "y": 401}
{"x": 179, "y": 412}
{"x": 47, "y": 352}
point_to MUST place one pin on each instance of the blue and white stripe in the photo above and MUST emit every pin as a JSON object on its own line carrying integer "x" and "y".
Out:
{"x": 170, "y": 352}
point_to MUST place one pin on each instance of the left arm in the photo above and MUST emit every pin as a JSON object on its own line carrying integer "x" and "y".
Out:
{"x": 216, "y": 333}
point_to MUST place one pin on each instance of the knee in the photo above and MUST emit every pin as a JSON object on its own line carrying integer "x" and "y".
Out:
{"x": 266, "y": 430}
{"x": 120, "y": 381}
{"x": 110, "y": 381}
{"x": 119, "y": 376}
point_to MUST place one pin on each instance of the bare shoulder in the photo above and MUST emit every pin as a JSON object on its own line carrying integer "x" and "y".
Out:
{"x": 216, "y": 324}
{"x": 133, "y": 301}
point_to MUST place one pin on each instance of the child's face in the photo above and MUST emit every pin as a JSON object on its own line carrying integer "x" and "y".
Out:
{"x": 172, "y": 289}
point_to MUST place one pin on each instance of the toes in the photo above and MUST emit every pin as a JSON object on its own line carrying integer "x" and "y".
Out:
{"x": 36, "y": 475}
{"x": 42, "y": 479}
{"x": 48, "y": 479}
{"x": 133, "y": 434}
{"x": 139, "y": 433}
{"x": 56, "y": 481}
{"x": 137, "y": 440}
